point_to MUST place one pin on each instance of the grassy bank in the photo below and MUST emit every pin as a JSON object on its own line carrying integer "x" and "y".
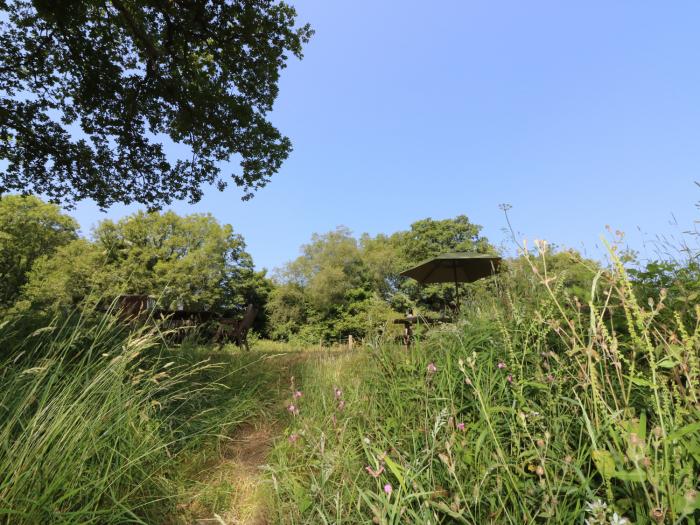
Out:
{"x": 100, "y": 424}
{"x": 534, "y": 408}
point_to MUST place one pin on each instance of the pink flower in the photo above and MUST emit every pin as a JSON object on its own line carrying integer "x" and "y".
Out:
{"x": 293, "y": 409}
{"x": 460, "y": 426}
{"x": 509, "y": 378}
{"x": 550, "y": 378}
{"x": 374, "y": 473}
{"x": 432, "y": 368}
{"x": 388, "y": 488}
{"x": 293, "y": 438}
{"x": 297, "y": 394}
{"x": 501, "y": 365}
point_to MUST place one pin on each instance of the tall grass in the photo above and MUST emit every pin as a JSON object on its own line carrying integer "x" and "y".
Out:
{"x": 535, "y": 408}
{"x": 96, "y": 421}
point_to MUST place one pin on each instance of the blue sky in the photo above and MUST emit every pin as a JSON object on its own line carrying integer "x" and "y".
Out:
{"x": 578, "y": 114}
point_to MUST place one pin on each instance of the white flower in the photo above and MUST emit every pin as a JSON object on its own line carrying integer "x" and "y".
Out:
{"x": 598, "y": 511}
{"x": 596, "y": 507}
{"x": 618, "y": 520}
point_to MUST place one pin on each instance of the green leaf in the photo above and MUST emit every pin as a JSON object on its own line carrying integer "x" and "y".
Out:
{"x": 604, "y": 462}
{"x": 686, "y": 503}
{"x": 641, "y": 382}
{"x": 688, "y": 429}
{"x": 667, "y": 363}
{"x": 442, "y": 507}
{"x": 634, "y": 475}
{"x": 301, "y": 497}
{"x": 396, "y": 470}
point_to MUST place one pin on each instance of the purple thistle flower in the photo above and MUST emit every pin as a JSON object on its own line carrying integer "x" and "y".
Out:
{"x": 509, "y": 378}
{"x": 501, "y": 365}
{"x": 432, "y": 368}
{"x": 293, "y": 409}
{"x": 460, "y": 426}
{"x": 388, "y": 488}
{"x": 297, "y": 394}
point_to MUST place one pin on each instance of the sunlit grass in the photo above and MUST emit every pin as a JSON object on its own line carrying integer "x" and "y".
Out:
{"x": 532, "y": 409}
{"x": 101, "y": 423}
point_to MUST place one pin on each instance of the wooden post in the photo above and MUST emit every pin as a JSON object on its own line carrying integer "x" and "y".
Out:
{"x": 350, "y": 342}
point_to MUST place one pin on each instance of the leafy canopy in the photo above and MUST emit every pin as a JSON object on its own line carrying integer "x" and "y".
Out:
{"x": 191, "y": 262}
{"x": 29, "y": 229}
{"x": 341, "y": 285}
{"x": 92, "y": 91}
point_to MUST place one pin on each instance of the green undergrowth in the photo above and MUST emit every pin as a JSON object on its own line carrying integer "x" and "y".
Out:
{"x": 533, "y": 409}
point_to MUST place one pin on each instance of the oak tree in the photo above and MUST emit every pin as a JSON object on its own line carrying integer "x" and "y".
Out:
{"x": 94, "y": 92}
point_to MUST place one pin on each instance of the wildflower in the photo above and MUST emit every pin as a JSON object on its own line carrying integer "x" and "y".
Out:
{"x": 341, "y": 404}
{"x": 550, "y": 378}
{"x": 509, "y": 378}
{"x": 432, "y": 368}
{"x": 337, "y": 392}
{"x": 293, "y": 409}
{"x": 598, "y": 511}
{"x": 460, "y": 426}
{"x": 297, "y": 394}
{"x": 596, "y": 507}
{"x": 618, "y": 520}
{"x": 293, "y": 437}
{"x": 388, "y": 489}
{"x": 375, "y": 473}
{"x": 501, "y": 365}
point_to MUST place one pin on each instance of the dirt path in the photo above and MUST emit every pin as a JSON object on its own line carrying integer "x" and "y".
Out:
{"x": 233, "y": 488}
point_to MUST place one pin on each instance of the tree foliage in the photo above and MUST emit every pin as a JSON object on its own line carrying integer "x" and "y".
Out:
{"x": 29, "y": 229}
{"x": 93, "y": 91}
{"x": 190, "y": 262}
{"x": 343, "y": 286}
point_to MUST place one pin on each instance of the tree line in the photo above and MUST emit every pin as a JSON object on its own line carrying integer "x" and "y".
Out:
{"x": 339, "y": 285}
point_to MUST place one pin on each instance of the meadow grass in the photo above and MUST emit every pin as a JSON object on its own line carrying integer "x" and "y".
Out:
{"x": 103, "y": 423}
{"x": 533, "y": 408}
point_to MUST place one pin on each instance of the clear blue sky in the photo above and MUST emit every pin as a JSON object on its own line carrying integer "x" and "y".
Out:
{"x": 579, "y": 114}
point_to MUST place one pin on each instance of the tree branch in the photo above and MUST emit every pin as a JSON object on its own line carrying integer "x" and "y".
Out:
{"x": 137, "y": 31}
